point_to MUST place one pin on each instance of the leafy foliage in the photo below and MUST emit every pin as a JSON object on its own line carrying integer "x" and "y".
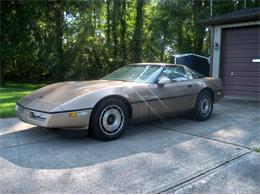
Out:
{"x": 74, "y": 40}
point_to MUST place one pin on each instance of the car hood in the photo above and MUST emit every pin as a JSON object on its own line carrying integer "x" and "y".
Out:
{"x": 51, "y": 97}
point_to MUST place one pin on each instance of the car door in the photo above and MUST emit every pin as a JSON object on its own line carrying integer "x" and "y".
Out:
{"x": 175, "y": 97}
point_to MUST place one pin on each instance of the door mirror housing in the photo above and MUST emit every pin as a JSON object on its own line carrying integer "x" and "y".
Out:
{"x": 164, "y": 80}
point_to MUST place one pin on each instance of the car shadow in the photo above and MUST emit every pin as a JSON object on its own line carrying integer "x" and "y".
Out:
{"x": 233, "y": 120}
{"x": 38, "y": 149}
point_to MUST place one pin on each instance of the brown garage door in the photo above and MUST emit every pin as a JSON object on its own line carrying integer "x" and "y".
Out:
{"x": 241, "y": 76}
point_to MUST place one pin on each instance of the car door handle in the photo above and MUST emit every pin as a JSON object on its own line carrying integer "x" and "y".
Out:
{"x": 189, "y": 85}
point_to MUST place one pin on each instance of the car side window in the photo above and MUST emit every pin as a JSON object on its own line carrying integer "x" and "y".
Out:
{"x": 175, "y": 73}
{"x": 195, "y": 74}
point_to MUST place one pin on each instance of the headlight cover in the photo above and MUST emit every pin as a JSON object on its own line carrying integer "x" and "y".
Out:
{"x": 38, "y": 115}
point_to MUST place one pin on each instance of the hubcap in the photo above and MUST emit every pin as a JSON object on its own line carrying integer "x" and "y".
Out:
{"x": 111, "y": 119}
{"x": 205, "y": 106}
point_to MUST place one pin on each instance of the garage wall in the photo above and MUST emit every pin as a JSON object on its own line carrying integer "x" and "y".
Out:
{"x": 241, "y": 76}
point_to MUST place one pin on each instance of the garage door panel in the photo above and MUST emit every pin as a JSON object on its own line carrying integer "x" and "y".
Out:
{"x": 235, "y": 42}
{"x": 242, "y": 67}
{"x": 241, "y": 73}
{"x": 243, "y": 88}
{"x": 237, "y": 60}
{"x": 242, "y": 31}
{"x": 241, "y": 46}
{"x": 241, "y": 39}
{"x": 242, "y": 81}
{"x": 245, "y": 55}
{"x": 248, "y": 53}
{"x": 254, "y": 95}
{"x": 238, "y": 36}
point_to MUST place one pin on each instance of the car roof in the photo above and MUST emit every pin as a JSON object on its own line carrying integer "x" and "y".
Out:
{"x": 156, "y": 64}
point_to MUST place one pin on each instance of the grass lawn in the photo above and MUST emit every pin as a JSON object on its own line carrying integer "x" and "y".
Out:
{"x": 10, "y": 93}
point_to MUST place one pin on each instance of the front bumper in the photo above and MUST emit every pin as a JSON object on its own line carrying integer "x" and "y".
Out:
{"x": 65, "y": 119}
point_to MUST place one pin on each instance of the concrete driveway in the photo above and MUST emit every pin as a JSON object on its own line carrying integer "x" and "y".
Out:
{"x": 174, "y": 156}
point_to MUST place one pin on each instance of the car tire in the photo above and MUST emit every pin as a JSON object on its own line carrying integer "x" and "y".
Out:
{"x": 204, "y": 106}
{"x": 109, "y": 119}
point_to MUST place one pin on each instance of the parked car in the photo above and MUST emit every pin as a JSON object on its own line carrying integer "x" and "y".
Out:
{"x": 136, "y": 92}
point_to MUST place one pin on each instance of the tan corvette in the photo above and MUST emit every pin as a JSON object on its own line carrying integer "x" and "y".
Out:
{"x": 136, "y": 92}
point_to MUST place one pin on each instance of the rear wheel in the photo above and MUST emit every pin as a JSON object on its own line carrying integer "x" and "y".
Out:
{"x": 109, "y": 120}
{"x": 204, "y": 106}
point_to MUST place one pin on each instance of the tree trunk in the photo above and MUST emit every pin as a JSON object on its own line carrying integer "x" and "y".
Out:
{"x": 122, "y": 32}
{"x": 108, "y": 22}
{"x": 114, "y": 28}
{"x": 180, "y": 38}
{"x": 137, "y": 37}
{"x": 58, "y": 12}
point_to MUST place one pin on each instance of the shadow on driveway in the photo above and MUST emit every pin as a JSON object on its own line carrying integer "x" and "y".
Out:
{"x": 233, "y": 121}
{"x": 39, "y": 149}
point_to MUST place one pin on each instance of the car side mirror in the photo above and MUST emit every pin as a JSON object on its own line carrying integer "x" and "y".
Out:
{"x": 164, "y": 80}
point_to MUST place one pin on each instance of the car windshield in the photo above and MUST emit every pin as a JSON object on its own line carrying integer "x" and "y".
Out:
{"x": 135, "y": 73}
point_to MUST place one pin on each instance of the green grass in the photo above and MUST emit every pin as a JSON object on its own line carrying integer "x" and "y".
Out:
{"x": 10, "y": 93}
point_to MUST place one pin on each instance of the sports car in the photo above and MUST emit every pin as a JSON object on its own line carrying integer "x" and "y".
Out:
{"x": 132, "y": 93}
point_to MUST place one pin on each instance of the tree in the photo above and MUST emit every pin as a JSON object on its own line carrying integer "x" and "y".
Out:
{"x": 123, "y": 55}
{"x": 137, "y": 37}
{"x": 59, "y": 20}
{"x": 49, "y": 41}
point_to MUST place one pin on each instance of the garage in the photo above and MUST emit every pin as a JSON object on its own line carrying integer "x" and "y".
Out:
{"x": 241, "y": 71}
{"x": 235, "y": 52}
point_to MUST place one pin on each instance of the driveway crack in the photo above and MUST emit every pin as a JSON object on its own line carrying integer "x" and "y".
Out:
{"x": 199, "y": 174}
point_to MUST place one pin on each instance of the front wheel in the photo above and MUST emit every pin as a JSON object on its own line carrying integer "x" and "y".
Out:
{"x": 109, "y": 120}
{"x": 204, "y": 106}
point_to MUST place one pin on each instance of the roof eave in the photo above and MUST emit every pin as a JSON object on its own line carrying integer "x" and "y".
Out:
{"x": 219, "y": 21}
